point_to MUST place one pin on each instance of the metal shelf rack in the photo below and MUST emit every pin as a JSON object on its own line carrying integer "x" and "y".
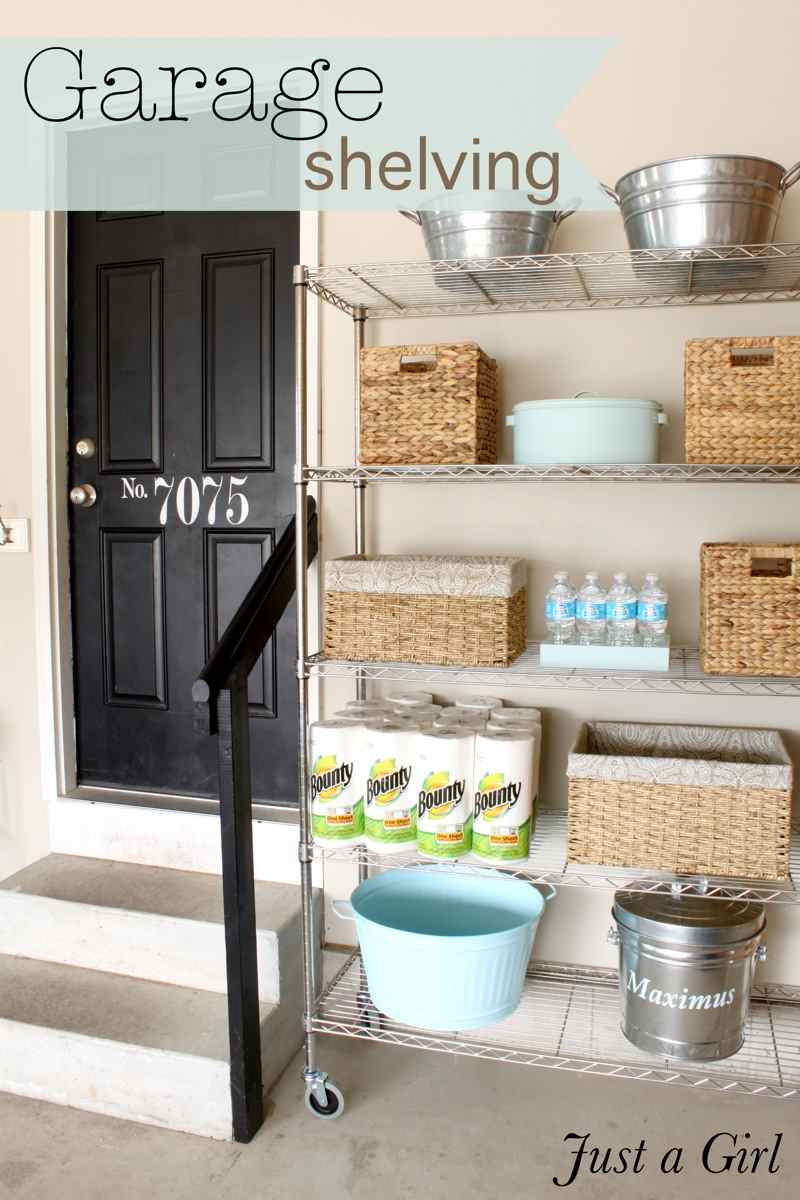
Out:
{"x": 569, "y": 1016}
{"x": 547, "y": 864}
{"x": 684, "y": 675}
{"x": 563, "y": 282}
{"x": 558, "y": 473}
{"x": 569, "y": 1019}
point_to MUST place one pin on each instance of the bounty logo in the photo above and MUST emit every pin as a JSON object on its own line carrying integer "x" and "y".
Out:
{"x": 329, "y": 780}
{"x": 438, "y": 796}
{"x": 494, "y": 797}
{"x": 386, "y": 781}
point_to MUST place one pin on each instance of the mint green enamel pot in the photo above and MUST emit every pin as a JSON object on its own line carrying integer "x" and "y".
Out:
{"x": 586, "y": 429}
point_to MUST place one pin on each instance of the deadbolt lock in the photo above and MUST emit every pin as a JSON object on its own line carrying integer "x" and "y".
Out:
{"x": 85, "y": 447}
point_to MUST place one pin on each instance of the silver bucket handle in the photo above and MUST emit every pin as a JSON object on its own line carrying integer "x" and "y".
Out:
{"x": 609, "y": 191}
{"x": 411, "y": 215}
{"x": 790, "y": 177}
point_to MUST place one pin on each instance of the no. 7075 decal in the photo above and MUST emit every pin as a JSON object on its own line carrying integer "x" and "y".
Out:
{"x": 190, "y": 497}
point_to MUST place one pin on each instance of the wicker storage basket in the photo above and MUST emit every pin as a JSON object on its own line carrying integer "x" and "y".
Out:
{"x": 685, "y": 798}
{"x": 750, "y": 609}
{"x": 428, "y": 404}
{"x": 455, "y": 611}
{"x": 742, "y": 398}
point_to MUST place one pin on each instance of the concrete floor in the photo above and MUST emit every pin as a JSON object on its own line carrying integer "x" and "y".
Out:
{"x": 416, "y": 1124}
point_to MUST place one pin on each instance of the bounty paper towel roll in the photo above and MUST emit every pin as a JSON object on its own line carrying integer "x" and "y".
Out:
{"x": 391, "y": 785}
{"x": 444, "y": 801}
{"x": 408, "y": 699}
{"x": 504, "y": 794}
{"x": 367, "y": 708}
{"x": 479, "y": 703}
{"x": 512, "y": 716}
{"x": 337, "y": 781}
{"x": 423, "y": 714}
{"x": 462, "y": 716}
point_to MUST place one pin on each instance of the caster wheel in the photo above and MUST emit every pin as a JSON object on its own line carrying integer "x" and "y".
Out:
{"x": 333, "y": 1106}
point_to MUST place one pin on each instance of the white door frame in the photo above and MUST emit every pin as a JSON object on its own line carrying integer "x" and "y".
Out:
{"x": 140, "y": 826}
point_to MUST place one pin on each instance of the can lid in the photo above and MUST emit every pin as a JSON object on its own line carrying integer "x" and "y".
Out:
{"x": 691, "y": 920}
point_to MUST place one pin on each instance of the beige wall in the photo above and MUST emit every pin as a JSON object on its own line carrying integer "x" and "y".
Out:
{"x": 23, "y": 812}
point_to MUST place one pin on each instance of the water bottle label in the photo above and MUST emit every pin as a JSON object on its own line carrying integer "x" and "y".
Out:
{"x": 652, "y": 610}
{"x": 622, "y": 610}
{"x": 591, "y": 610}
{"x": 559, "y": 610}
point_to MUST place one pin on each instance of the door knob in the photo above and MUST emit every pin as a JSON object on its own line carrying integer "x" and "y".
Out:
{"x": 83, "y": 496}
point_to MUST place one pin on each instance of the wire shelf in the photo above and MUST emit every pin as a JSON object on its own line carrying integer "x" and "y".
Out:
{"x": 559, "y": 282}
{"x": 547, "y": 864}
{"x": 569, "y": 1020}
{"x": 685, "y": 675}
{"x": 558, "y": 472}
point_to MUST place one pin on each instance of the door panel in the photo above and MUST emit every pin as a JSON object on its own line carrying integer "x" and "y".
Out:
{"x": 234, "y": 559}
{"x": 130, "y": 367}
{"x": 181, "y": 369}
{"x": 239, "y": 385}
{"x": 134, "y": 635}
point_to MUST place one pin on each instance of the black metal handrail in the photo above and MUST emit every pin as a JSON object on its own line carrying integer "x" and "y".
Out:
{"x": 221, "y": 691}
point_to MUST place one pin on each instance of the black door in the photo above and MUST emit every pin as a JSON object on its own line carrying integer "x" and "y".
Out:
{"x": 181, "y": 373}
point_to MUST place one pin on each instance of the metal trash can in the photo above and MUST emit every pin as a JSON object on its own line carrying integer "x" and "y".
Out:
{"x": 686, "y": 970}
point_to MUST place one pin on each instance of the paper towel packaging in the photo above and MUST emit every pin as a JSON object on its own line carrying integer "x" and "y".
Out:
{"x": 337, "y": 781}
{"x": 391, "y": 785}
{"x": 444, "y": 801}
{"x": 504, "y": 794}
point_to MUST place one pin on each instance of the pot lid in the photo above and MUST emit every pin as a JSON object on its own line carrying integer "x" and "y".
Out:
{"x": 696, "y": 920}
{"x": 587, "y": 402}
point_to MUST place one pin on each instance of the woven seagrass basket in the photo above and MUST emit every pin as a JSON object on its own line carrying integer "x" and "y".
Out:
{"x": 750, "y": 608}
{"x": 742, "y": 398}
{"x": 689, "y": 799}
{"x": 453, "y": 611}
{"x": 428, "y": 404}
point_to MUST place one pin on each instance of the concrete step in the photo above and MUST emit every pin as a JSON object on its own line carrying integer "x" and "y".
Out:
{"x": 148, "y": 1052}
{"x": 148, "y": 922}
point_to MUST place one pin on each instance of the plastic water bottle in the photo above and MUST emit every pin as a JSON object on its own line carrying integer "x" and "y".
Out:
{"x": 651, "y": 611}
{"x": 559, "y": 608}
{"x": 591, "y": 610}
{"x": 621, "y": 605}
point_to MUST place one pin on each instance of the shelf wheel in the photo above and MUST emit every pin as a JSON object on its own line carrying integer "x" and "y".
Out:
{"x": 323, "y": 1098}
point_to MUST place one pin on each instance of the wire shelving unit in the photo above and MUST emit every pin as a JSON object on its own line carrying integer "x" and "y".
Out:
{"x": 563, "y": 282}
{"x": 569, "y": 1020}
{"x": 569, "y": 1017}
{"x": 685, "y": 676}
{"x": 547, "y": 864}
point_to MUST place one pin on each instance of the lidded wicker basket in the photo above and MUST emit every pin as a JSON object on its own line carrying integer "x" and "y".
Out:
{"x": 750, "y": 608}
{"x": 428, "y": 404}
{"x": 451, "y": 610}
{"x": 685, "y": 798}
{"x": 742, "y": 398}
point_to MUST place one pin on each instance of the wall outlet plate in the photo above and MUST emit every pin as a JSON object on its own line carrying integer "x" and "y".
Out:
{"x": 19, "y": 530}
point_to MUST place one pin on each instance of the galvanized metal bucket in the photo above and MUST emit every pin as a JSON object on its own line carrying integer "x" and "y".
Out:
{"x": 686, "y": 971}
{"x": 487, "y": 234}
{"x": 707, "y": 200}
